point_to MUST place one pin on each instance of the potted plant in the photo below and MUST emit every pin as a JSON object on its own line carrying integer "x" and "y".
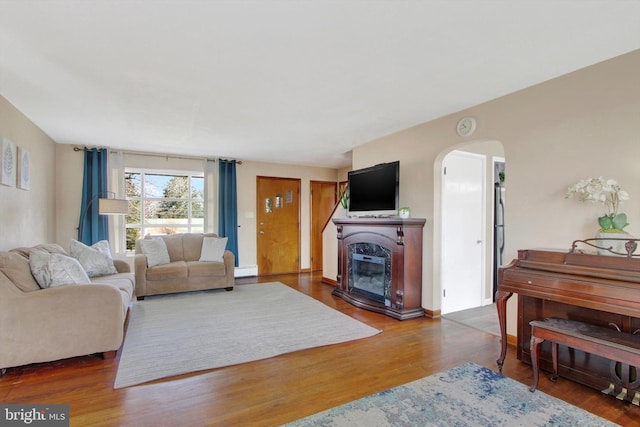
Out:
{"x": 608, "y": 193}
{"x": 404, "y": 212}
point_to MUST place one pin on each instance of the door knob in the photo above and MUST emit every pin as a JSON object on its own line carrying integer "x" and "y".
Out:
{"x": 261, "y": 232}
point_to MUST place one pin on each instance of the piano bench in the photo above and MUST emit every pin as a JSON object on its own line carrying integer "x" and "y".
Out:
{"x": 605, "y": 342}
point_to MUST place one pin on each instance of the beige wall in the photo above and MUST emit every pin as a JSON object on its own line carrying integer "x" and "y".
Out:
{"x": 28, "y": 217}
{"x": 70, "y": 187}
{"x": 69, "y": 170}
{"x": 247, "y": 174}
{"x": 580, "y": 125}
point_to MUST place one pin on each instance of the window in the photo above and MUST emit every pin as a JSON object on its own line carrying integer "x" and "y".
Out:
{"x": 163, "y": 203}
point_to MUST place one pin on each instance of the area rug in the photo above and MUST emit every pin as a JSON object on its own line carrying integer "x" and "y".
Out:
{"x": 176, "y": 334}
{"x": 469, "y": 395}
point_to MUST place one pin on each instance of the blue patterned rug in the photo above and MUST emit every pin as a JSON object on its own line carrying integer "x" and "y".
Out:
{"x": 469, "y": 395}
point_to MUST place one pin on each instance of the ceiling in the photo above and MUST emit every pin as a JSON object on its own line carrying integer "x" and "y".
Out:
{"x": 299, "y": 82}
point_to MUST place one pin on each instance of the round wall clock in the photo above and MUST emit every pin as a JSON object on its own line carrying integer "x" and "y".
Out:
{"x": 466, "y": 126}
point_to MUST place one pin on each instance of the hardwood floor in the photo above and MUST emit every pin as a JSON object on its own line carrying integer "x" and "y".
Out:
{"x": 282, "y": 389}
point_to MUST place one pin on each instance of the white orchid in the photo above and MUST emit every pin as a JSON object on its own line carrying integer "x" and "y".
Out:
{"x": 606, "y": 192}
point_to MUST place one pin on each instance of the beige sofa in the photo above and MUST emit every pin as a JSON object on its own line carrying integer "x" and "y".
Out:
{"x": 42, "y": 325}
{"x": 184, "y": 271}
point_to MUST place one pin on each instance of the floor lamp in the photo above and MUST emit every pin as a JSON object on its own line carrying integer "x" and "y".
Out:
{"x": 106, "y": 206}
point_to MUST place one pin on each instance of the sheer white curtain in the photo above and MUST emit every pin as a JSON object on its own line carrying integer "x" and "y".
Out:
{"x": 210, "y": 196}
{"x": 117, "y": 224}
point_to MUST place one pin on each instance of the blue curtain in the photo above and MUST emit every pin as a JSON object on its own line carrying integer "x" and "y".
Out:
{"x": 93, "y": 227}
{"x": 228, "y": 205}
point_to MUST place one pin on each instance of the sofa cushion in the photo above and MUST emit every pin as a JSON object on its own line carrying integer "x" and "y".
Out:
{"x": 156, "y": 251}
{"x": 174, "y": 246}
{"x": 213, "y": 249}
{"x": 203, "y": 268}
{"x": 51, "y": 248}
{"x": 17, "y": 269}
{"x": 192, "y": 245}
{"x": 51, "y": 270}
{"x": 125, "y": 282}
{"x": 173, "y": 270}
{"x": 96, "y": 260}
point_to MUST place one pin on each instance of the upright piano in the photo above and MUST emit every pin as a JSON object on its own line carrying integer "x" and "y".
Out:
{"x": 577, "y": 285}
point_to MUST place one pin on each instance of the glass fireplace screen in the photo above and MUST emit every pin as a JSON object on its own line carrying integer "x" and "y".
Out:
{"x": 370, "y": 272}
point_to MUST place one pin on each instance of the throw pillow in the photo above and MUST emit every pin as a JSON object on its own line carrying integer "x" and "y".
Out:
{"x": 96, "y": 260}
{"x": 213, "y": 248}
{"x": 51, "y": 270}
{"x": 156, "y": 251}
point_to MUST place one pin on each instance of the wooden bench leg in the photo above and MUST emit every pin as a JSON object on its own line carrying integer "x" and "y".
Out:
{"x": 535, "y": 355}
{"x": 554, "y": 358}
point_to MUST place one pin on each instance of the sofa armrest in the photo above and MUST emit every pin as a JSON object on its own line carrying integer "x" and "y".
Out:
{"x": 140, "y": 270}
{"x": 230, "y": 267}
{"x": 122, "y": 266}
{"x": 60, "y": 322}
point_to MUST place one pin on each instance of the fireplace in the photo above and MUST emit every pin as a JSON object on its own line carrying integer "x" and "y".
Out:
{"x": 380, "y": 264}
{"x": 370, "y": 272}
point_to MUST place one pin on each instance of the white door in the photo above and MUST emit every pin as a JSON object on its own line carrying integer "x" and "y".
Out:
{"x": 463, "y": 231}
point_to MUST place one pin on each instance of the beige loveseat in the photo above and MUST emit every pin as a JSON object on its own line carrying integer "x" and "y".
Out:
{"x": 42, "y": 325}
{"x": 182, "y": 271}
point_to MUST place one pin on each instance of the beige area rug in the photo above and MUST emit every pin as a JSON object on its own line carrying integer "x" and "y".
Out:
{"x": 176, "y": 334}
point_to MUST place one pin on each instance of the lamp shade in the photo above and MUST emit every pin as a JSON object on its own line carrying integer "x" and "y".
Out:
{"x": 113, "y": 206}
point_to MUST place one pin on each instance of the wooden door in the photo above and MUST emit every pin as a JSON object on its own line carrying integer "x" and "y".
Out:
{"x": 278, "y": 232}
{"x": 323, "y": 199}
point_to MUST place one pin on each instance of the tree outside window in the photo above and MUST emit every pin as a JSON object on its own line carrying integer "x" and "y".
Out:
{"x": 163, "y": 203}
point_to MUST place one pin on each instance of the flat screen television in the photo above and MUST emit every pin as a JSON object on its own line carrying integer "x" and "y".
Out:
{"x": 374, "y": 191}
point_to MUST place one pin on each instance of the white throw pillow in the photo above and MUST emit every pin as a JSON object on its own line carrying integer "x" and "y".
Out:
{"x": 156, "y": 251}
{"x": 51, "y": 270}
{"x": 96, "y": 260}
{"x": 213, "y": 248}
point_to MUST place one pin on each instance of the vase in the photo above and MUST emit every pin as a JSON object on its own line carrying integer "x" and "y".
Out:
{"x": 615, "y": 241}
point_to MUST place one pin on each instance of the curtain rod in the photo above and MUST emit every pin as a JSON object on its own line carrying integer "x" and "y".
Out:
{"x": 167, "y": 156}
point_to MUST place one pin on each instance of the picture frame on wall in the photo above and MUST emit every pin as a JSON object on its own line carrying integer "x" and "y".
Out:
{"x": 8, "y": 158}
{"x": 24, "y": 169}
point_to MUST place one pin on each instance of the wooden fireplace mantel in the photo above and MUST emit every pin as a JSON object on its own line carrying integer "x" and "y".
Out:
{"x": 403, "y": 237}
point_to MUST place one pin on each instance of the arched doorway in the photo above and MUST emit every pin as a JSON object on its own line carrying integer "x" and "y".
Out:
{"x": 462, "y": 266}
{"x": 465, "y": 275}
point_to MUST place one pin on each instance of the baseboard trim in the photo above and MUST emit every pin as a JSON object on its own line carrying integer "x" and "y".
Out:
{"x": 246, "y": 271}
{"x": 432, "y": 314}
{"x": 329, "y": 281}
